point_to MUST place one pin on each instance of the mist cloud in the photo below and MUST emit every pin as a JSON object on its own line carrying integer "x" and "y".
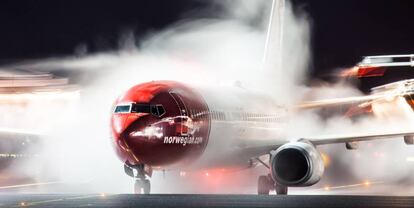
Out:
{"x": 228, "y": 46}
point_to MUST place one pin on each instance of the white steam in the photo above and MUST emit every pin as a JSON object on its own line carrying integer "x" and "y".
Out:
{"x": 207, "y": 51}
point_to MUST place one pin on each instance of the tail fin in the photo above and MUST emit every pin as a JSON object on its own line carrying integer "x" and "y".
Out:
{"x": 274, "y": 37}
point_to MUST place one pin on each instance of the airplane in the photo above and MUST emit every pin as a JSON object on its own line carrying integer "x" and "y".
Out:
{"x": 373, "y": 71}
{"x": 167, "y": 125}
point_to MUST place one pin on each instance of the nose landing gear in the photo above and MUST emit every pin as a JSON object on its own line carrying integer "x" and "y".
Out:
{"x": 142, "y": 186}
{"x": 142, "y": 183}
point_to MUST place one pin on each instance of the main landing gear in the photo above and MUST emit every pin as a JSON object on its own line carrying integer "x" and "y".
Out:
{"x": 142, "y": 183}
{"x": 266, "y": 184}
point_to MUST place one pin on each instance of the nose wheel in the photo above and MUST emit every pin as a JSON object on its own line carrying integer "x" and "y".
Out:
{"x": 139, "y": 172}
{"x": 265, "y": 184}
{"x": 142, "y": 186}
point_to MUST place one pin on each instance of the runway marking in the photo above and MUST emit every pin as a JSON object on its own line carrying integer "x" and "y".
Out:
{"x": 366, "y": 184}
{"x": 30, "y": 184}
{"x": 27, "y": 204}
{"x": 42, "y": 183}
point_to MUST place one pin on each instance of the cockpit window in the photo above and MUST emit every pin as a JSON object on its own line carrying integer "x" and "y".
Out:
{"x": 157, "y": 110}
{"x": 141, "y": 108}
{"x": 123, "y": 109}
{"x": 160, "y": 109}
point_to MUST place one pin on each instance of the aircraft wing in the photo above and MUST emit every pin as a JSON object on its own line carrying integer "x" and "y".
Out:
{"x": 381, "y": 93}
{"x": 356, "y": 138}
{"x": 341, "y": 101}
{"x": 358, "y": 100}
{"x": 256, "y": 151}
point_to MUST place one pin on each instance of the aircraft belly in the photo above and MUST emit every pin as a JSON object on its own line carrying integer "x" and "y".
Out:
{"x": 229, "y": 139}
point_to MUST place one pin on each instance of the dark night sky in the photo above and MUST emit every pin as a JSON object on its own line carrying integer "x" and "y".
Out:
{"x": 342, "y": 30}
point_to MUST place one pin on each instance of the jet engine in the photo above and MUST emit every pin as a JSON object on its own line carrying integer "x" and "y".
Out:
{"x": 296, "y": 164}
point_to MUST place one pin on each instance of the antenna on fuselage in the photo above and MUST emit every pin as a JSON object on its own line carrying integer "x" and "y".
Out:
{"x": 274, "y": 38}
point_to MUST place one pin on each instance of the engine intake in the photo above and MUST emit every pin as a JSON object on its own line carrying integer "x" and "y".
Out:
{"x": 297, "y": 164}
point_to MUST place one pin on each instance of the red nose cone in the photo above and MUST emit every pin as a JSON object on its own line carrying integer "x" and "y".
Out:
{"x": 173, "y": 134}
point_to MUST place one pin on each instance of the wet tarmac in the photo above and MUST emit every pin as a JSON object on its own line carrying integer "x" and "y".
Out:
{"x": 185, "y": 200}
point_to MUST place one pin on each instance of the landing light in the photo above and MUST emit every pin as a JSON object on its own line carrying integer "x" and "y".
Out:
{"x": 326, "y": 159}
{"x": 327, "y": 188}
{"x": 22, "y": 204}
{"x": 367, "y": 183}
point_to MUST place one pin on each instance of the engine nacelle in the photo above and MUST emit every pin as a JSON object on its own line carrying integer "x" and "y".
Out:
{"x": 296, "y": 164}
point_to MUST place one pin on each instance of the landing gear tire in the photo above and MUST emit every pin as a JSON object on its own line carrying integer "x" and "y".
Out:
{"x": 281, "y": 190}
{"x": 142, "y": 186}
{"x": 264, "y": 185}
{"x": 139, "y": 172}
{"x": 147, "y": 186}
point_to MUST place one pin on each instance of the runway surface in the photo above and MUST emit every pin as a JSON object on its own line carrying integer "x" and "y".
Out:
{"x": 157, "y": 200}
